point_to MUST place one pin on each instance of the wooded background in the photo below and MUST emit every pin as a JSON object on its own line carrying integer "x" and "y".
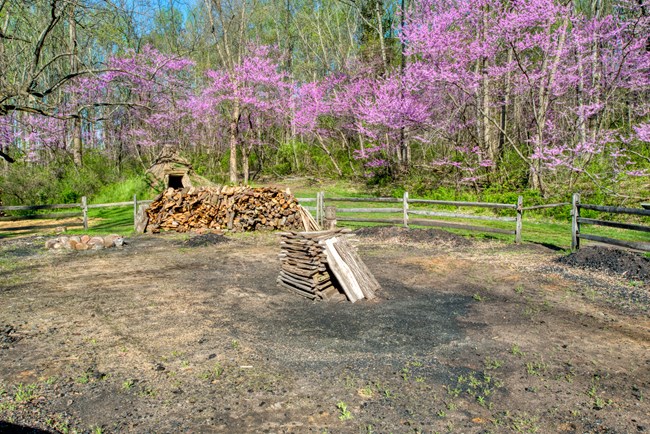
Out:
{"x": 541, "y": 96}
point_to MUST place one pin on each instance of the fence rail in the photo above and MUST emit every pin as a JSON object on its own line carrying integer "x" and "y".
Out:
{"x": 548, "y": 205}
{"x": 465, "y": 216}
{"x": 577, "y": 221}
{"x": 329, "y": 213}
{"x": 468, "y": 204}
{"x": 615, "y": 209}
{"x": 39, "y": 207}
{"x": 58, "y": 215}
{"x": 407, "y": 213}
{"x": 84, "y": 206}
{"x": 109, "y": 205}
{"x": 365, "y": 199}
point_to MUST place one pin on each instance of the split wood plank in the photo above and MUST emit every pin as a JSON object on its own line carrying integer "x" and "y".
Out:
{"x": 342, "y": 272}
{"x": 367, "y": 282}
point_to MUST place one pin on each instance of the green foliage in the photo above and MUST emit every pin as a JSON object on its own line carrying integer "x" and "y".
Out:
{"x": 24, "y": 393}
{"x": 345, "y": 413}
{"x": 284, "y": 161}
{"x": 127, "y": 384}
{"x": 122, "y": 191}
{"x": 83, "y": 378}
{"x": 297, "y": 157}
{"x": 381, "y": 178}
{"x": 60, "y": 181}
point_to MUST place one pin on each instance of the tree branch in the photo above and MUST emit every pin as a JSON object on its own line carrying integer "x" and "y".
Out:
{"x": 41, "y": 42}
{"x": 13, "y": 38}
{"x": 6, "y": 157}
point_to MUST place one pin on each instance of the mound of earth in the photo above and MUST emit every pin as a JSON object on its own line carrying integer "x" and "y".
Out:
{"x": 399, "y": 234}
{"x": 631, "y": 265}
{"x": 205, "y": 240}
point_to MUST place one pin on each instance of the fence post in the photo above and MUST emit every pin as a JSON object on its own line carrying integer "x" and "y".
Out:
{"x": 520, "y": 212}
{"x": 84, "y": 209}
{"x": 575, "y": 225}
{"x": 318, "y": 207}
{"x": 135, "y": 211}
{"x": 330, "y": 217}
{"x": 322, "y": 208}
{"x": 405, "y": 207}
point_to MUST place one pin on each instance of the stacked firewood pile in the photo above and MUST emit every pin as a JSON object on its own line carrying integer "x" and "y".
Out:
{"x": 324, "y": 265}
{"x": 234, "y": 208}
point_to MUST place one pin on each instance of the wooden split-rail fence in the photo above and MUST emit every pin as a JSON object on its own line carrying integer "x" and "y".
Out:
{"x": 409, "y": 216}
{"x": 577, "y": 221}
{"x": 327, "y": 214}
{"x": 82, "y": 212}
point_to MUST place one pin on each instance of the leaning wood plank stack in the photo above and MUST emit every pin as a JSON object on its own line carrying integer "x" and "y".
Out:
{"x": 237, "y": 209}
{"x": 324, "y": 265}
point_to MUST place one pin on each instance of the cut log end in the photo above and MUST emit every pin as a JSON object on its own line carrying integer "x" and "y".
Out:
{"x": 237, "y": 209}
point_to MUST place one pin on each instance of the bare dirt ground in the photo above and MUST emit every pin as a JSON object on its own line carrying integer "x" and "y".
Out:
{"x": 172, "y": 334}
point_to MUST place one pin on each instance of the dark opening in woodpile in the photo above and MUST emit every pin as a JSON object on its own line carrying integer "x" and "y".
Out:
{"x": 324, "y": 265}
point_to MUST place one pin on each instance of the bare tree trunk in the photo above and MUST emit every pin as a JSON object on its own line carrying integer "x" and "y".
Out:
{"x": 541, "y": 111}
{"x": 595, "y": 69}
{"x": 380, "y": 31}
{"x": 486, "y": 130}
{"x": 504, "y": 106}
{"x": 329, "y": 154}
{"x": 230, "y": 50}
{"x": 479, "y": 115}
{"x": 77, "y": 142}
{"x": 405, "y": 148}
{"x": 234, "y": 130}
{"x": 245, "y": 163}
{"x": 289, "y": 41}
{"x": 489, "y": 146}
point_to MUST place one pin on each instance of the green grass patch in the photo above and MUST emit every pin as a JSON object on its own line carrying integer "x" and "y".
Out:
{"x": 308, "y": 188}
{"x": 550, "y": 233}
{"x": 102, "y": 221}
{"x": 539, "y": 227}
{"x": 122, "y": 191}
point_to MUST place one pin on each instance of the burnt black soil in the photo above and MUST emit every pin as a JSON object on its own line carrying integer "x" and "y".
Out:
{"x": 161, "y": 338}
{"x": 7, "y": 335}
{"x": 21, "y": 247}
{"x": 394, "y": 233}
{"x": 630, "y": 265}
{"x": 205, "y": 240}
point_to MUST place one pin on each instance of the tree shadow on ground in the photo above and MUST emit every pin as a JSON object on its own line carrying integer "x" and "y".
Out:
{"x": 551, "y": 246}
{"x": 10, "y": 428}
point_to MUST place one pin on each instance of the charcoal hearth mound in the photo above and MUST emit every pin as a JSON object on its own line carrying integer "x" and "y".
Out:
{"x": 631, "y": 265}
{"x": 399, "y": 234}
{"x": 204, "y": 240}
